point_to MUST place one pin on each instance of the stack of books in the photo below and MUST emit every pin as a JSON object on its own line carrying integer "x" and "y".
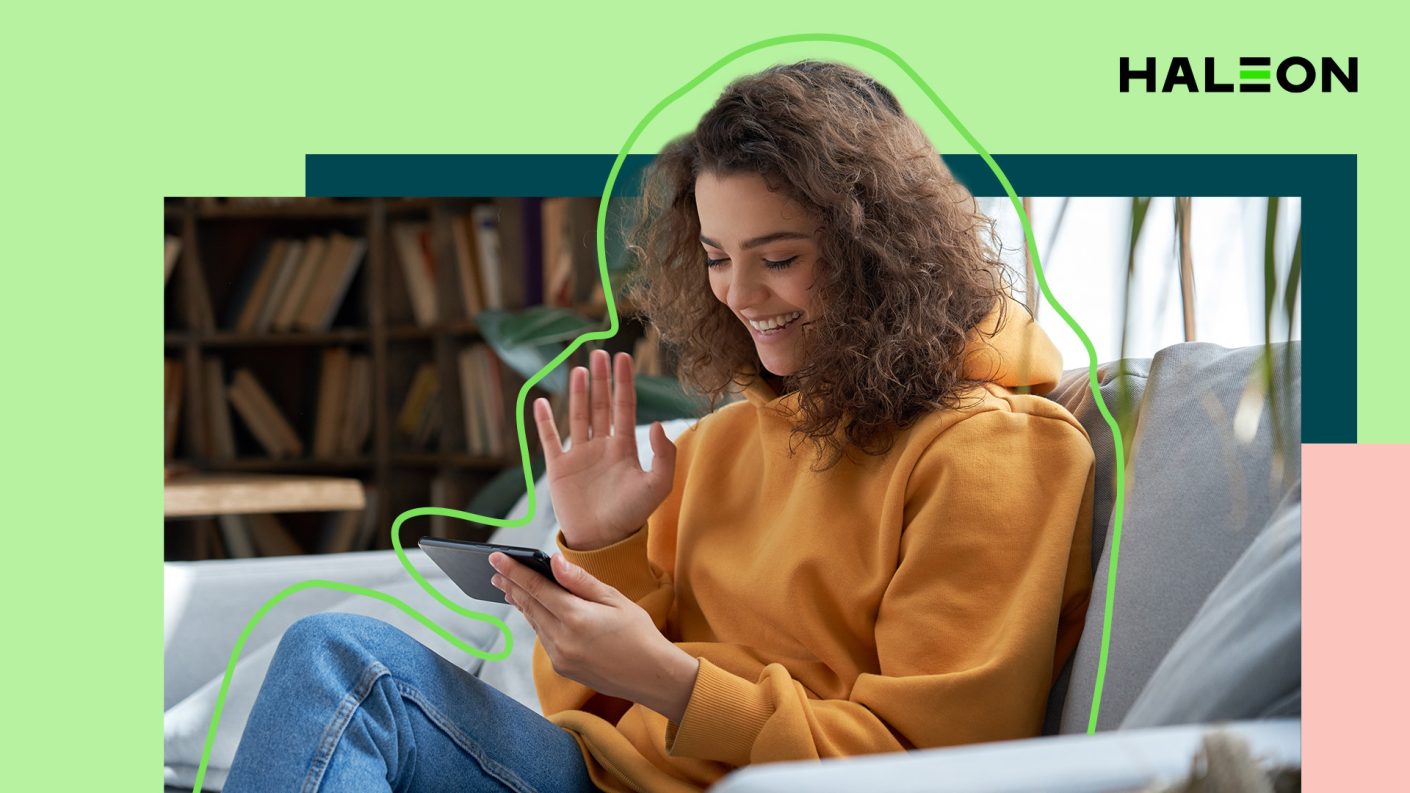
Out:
{"x": 295, "y": 284}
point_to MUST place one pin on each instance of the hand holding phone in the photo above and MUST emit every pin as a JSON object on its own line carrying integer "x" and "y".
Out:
{"x": 468, "y": 564}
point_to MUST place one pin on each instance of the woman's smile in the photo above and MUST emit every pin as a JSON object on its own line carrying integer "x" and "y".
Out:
{"x": 772, "y": 329}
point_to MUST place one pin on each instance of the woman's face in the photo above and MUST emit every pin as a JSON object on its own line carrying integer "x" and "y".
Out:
{"x": 761, "y": 249}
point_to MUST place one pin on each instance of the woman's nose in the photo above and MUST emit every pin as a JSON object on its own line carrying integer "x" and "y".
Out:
{"x": 745, "y": 289}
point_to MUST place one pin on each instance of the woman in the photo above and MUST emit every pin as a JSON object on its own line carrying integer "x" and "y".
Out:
{"x": 919, "y": 580}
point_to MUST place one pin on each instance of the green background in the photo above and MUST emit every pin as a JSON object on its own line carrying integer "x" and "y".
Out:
{"x": 108, "y": 108}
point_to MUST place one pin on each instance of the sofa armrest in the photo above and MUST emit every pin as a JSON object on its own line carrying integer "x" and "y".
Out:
{"x": 206, "y": 604}
{"x": 1107, "y": 762}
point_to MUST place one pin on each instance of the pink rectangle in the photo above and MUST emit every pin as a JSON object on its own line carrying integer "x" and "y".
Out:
{"x": 1356, "y": 590}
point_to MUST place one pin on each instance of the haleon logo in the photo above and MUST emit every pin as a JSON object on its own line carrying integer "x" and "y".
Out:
{"x": 1294, "y": 75}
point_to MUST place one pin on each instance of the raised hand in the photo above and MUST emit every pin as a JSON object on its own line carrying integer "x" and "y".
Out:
{"x": 600, "y": 493}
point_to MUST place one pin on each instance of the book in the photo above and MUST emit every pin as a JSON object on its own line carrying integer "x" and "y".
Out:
{"x": 357, "y": 426}
{"x": 245, "y": 283}
{"x": 291, "y": 302}
{"x": 530, "y": 262}
{"x": 496, "y": 417}
{"x": 333, "y": 401}
{"x": 571, "y": 275}
{"x": 482, "y": 386}
{"x": 173, "y": 382}
{"x": 201, "y": 314}
{"x": 430, "y": 425}
{"x": 420, "y": 396}
{"x": 255, "y": 285}
{"x": 283, "y": 276}
{"x": 263, "y": 418}
{"x": 255, "y": 420}
{"x": 335, "y": 276}
{"x": 222, "y": 435}
{"x": 557, "y": 253}
{"x": 417, "y": 268}
{"x": 171, "y": 253}
{"x": 467, "y": 265}
{"x": 472, "y": 400}
{"x": 491, "y": 256}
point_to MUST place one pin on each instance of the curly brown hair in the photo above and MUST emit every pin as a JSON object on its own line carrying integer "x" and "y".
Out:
{"x": 904, "y": 275}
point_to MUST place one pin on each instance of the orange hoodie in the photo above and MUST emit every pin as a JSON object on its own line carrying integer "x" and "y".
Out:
{"x": 923, "y": 598}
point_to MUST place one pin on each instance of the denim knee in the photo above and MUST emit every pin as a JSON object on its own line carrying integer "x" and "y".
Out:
{"x": 335, "y": 638}
{"x": 331, "y": 624}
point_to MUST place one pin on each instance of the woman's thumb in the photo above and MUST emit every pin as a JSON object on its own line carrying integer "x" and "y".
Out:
{"x": 664, "y": 449}
{"x": 579, "y": 581}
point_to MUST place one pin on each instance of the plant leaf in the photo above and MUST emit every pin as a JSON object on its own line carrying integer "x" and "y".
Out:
{"x": 661, "y": 398}
{"x": 530, "y": 339}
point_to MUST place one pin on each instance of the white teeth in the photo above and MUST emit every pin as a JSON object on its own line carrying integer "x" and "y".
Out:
{"x": 775, "y": 322}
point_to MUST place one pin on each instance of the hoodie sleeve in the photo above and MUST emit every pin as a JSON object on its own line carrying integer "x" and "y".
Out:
{"x": 993, "y": 574}
{"x": 640, "y": 566}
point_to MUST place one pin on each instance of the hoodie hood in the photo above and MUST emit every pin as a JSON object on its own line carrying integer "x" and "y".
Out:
{"x": 1019, "y": 355}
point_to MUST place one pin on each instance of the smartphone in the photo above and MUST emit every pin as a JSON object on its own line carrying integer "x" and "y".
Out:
{"x": 468, "y": 564}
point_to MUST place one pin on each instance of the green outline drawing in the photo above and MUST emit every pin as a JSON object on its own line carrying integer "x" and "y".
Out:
{"x": 612, "y": 331}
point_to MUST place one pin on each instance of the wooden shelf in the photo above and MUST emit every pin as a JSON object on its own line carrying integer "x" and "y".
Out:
{"x": 303, "y": 208}
{"x": 194, "y": 495}
{"x": 298, "y": 209}
{"x": 334, "y": 336}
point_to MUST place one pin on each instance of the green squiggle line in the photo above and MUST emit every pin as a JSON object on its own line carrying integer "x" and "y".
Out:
{"x": 611, "y": 332}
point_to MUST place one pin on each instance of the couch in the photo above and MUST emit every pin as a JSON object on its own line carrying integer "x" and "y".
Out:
{"x": 1204, "y": 642}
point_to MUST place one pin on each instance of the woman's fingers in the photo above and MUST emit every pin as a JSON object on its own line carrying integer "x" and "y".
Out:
{"x": 533, "y": 610}
{"x": 599, "y": 400}
{"x": 532, "y": 592}
{"x": 578, "y": 406}
{"x": 601, "y": 364}
{"x": 624, "y": 400}
{"x": 548, "y": 431}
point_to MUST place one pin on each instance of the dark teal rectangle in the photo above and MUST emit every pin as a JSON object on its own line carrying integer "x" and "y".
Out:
{"x": 1326, "y": 183}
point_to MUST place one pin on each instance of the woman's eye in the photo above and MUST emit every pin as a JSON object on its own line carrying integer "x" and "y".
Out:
{"x": 772, "y": 265}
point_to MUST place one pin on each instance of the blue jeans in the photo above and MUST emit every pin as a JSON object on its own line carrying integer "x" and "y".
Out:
{"x": 352, "y": 703}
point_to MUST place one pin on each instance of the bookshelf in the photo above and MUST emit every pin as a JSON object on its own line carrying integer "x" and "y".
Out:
{"x": 341, "y": 372}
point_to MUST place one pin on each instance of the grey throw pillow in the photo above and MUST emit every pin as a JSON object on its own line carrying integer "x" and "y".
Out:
{"x": 1241, "y": 657}
{"x": 1198, "y": 490}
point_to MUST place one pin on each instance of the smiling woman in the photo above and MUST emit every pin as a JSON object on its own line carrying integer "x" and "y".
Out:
{"x": 918, "y": 582}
